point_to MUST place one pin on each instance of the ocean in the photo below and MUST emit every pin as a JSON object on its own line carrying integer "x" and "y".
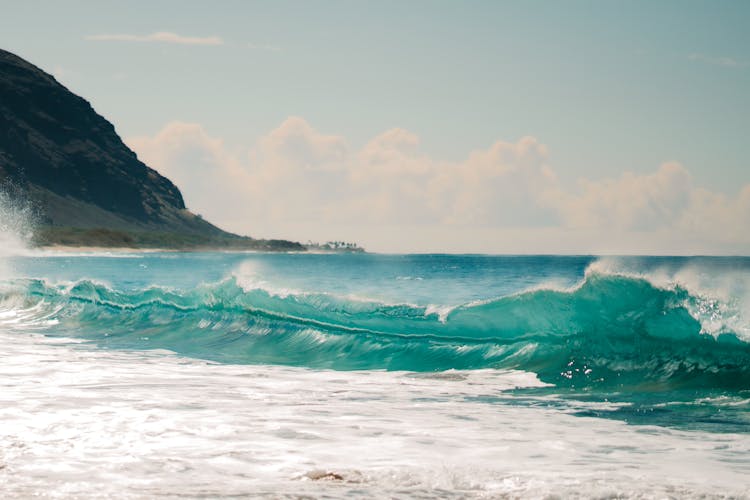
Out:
{"x": 209, "y": 375}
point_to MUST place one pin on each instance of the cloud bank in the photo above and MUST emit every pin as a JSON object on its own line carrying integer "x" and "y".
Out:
{"x": 159, "y": 37}
{"x": 297, "y": 182}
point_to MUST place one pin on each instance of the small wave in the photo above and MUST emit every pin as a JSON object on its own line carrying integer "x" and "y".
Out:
{"x": 611, "y": 330}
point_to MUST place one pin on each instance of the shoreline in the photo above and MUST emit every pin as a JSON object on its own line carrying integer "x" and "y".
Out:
{"x": 63, "y": 249}
{"x": 96, "y": 249}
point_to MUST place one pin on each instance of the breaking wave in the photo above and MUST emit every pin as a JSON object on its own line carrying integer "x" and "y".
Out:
{"x": 611, "y": 331}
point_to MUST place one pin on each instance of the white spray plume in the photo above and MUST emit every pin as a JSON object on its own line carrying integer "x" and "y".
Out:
{"x": 16, "y": 222}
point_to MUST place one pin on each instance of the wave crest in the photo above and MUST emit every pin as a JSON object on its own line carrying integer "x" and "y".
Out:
{"x": 612, "y": 330}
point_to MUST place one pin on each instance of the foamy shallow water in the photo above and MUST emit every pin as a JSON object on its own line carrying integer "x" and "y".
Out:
{"x": 82, "y": 422}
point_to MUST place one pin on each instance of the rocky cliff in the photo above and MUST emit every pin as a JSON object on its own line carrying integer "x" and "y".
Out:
{"x": 82, "y": 179}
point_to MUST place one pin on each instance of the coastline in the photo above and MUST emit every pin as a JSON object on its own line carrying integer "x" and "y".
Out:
{"x": 65, "y": 249}
{"x": 67, "y": 239}
{"x": 100, "y": 249}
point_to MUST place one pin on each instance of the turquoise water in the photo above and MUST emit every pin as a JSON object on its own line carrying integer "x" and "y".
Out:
{"x": 586, "y": 331}
{"x": 652, "y": 343}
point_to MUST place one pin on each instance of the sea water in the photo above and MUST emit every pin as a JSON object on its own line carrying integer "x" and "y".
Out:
{"x": 141, "y": 375}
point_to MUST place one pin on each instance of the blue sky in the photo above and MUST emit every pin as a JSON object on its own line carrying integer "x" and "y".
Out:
{"x": 608, "y": 88}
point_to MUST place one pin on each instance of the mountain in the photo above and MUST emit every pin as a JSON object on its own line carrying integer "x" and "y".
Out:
{"x": 86, "y": 185}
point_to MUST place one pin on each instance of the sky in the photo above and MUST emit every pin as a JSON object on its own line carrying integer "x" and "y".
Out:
{"x": 426, "y": 126}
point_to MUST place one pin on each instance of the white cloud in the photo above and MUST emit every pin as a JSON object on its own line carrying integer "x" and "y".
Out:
{"x": 211, "y": 179}
{"x": 296, "y": 144}
{"x": 631, "y": 202}
{"x": 160, "y": 37}
{"x": 504, "y": 185}
{"x": 297, "y": 182}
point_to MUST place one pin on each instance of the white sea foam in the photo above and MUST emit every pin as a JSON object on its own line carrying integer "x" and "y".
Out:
{"x": 441, "y": 311}
{"x": 248, "y": 277}
{"x": 721, "y": 299}
{"x": 85, "y": 423}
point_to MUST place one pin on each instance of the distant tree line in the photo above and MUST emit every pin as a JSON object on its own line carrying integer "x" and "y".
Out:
{"x": 335, "y": 246}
